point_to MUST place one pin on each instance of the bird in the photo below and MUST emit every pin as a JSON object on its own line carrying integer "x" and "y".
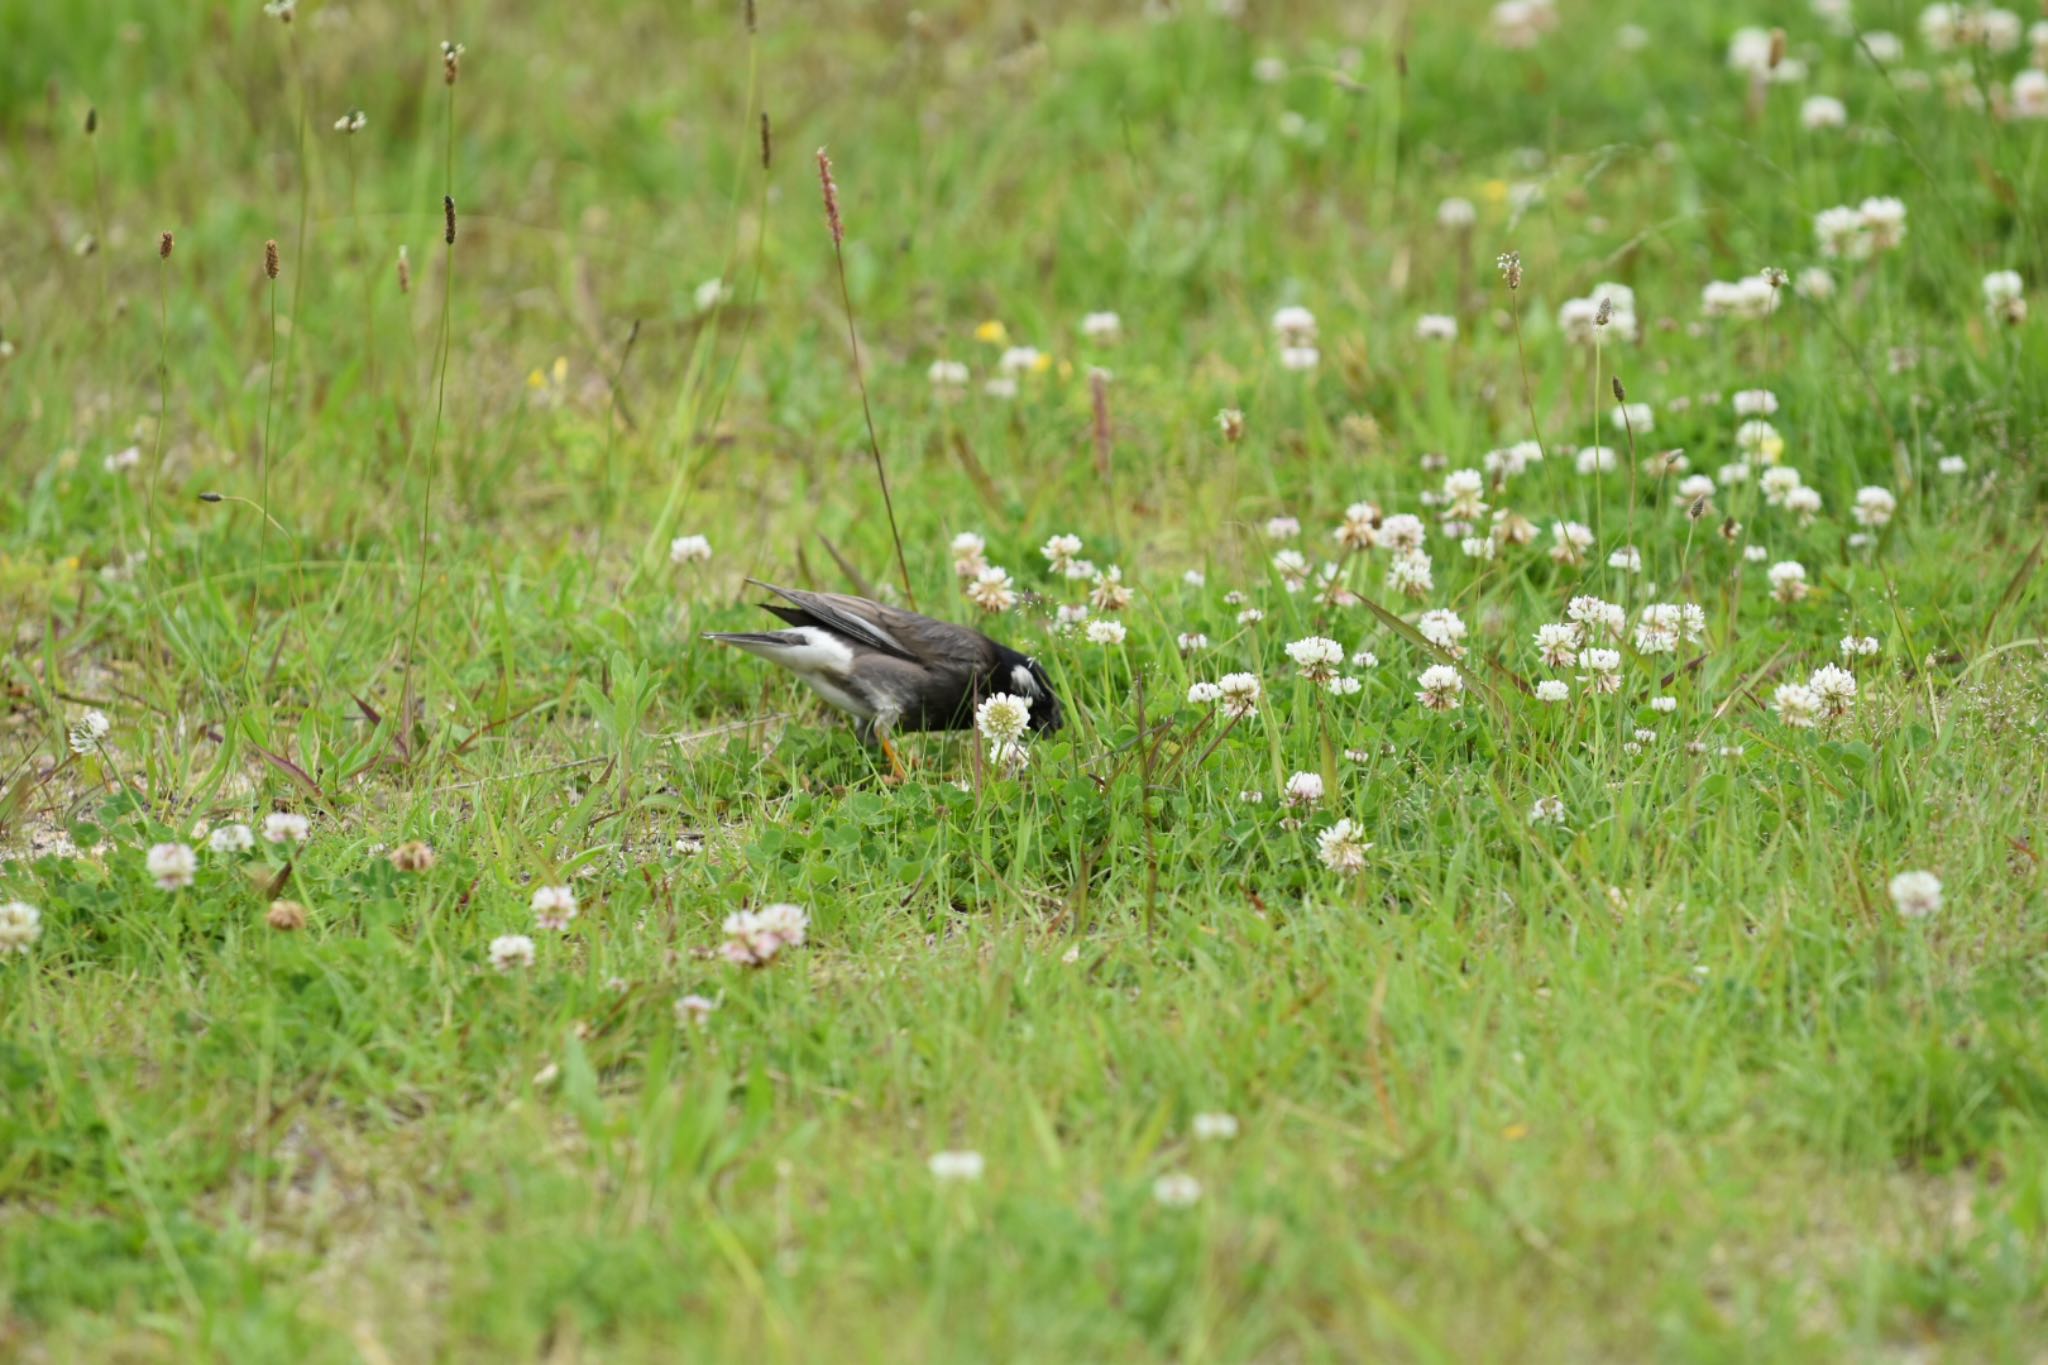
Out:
{"x": 893, "y": 671}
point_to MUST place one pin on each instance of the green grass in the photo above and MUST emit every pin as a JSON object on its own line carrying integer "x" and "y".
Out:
{"x": 1671, "y": 1080}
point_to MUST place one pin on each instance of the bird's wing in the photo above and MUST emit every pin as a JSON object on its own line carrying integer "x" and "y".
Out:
{"x": 892, "y": 630}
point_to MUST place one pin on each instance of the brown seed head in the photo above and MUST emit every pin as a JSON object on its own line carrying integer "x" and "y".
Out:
{"x": 1697, "y": 509}
{"x": 767, "y": 142}
{"x": 448, "y": 213}
{"x": 831, "y": 198}
{"x": 272, "y": 263}
{"x": 1605, "y": 314}
{"x": 1777, "y": 47}
{"x": 92, "y": 122}
{"x": 451, "y": 61}
{"x": 413, "y": 856}
{"x": 163, "y": 247}
{"x": 1620, "y": 394}
{"x": 1510, "y": 264}
{"x": 286, "y": 916}
{"x": 753, "y": 19}
{"x": 404, "y": 272}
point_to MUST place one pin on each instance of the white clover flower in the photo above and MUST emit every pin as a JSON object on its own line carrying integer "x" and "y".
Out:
{"x": 286, "y": 827}
{"x": 1885, "y": 219}
{"x": 1109, "y": 592}
{"x": 1952, "y": 465}
{"x": 1796, "y": 705}
{"x": 2028, "y": 97}
{"x": 1444, "y": 629}
{"x": 1303, "y": 789}
{"x": 1463, "y": 493}
{"x": 1859, "y": 646}
{"x": 711, "y": 294}
{"x": 1822, "y": 111}
{"x": 1815, "y": 284}
{"x": 1344, "y": 686}
{"x": 1694, "y": 488}
{"x": 1000, "y": 387}
{"x": 1657, "y": 629}
{"x": 1443, "y": 688}
{"x": 1755, "y": 403}
{"x": 1250, "y": 616}
{"x": 753, "y": 938}
{"x": 1548, "y": 810}
{"x": 1106, "y": 632}
{"x": 695, "y": 1010}
{"x": 553, "y": 906}
{"x": 1436, "y": 327}
{"x": 1068, "y": 616}
{"x": 1364, "y": 658}
{"x": 1282, "y": 528}
{"x": 1295, "y": 326}
{"x": 1552, "y": 690}
{"x": 1788, "y": 581}
{"x": 1102, "y": 326}
{"x": 1755, "y": 554}
{"x": 991, "y": 590}
{"x": 511, "y": 952}
{"x": 1886, "y": 49}
{"x": 1177, "y": 1191}
{"x": 689, "y": 550}
{"x": 1842, "y": 234}
{"x": 1557, "y": 645}
{"x": 1628, "y": 559}
{"x": 1916, "y": 895}
{"x": 1402, "y": 533}
{"x": 21, "y": 924}
{"x": 1061, "y": 552}
{"x": 1342, "y": 849}
{"x": 1456, "y": 214}
{"x": 1410, "y": 574}
{"x": 1213, "y": 1127}
{"x": 353, "y": 122}
{"x": 2005, "y": 295}
{"x": 1750, "y": 297}
{"x": 1597, "y": 460}
{"x": 1603, "y": 670}
{"x": 1637, "y": 417}
{"x": 1317, "y": 656}
{"x": 1293, "y": 568}
{"x": 948, "y": 376}
{"x": 970, "y": 554}
{"x": 1569, "y": 541}
{"x": 1874, "y": 506}
{"x": 1016, "y": 360}
{"x": 1664, "y": 706}
{"x": 1191, "y": 642}
{"x": 126, "y": 458}
{"x": 1804, "y": 502}
{"x": 1835, "y": 689}
{"x": 1204, "y": 694}
{"x": 1595, "y": 617}
{"x": 1003, "y": 718}
{"x": 88, "y": 731}
{"x": 1778, "y": 482}
{"x": 1240, "y": 695}
{"x": 1300, "y": 358}
{"x": 1360, "y": 528}
{"x": 1478, "y": 547}
{"x": 171, "y": 864}
{"x": 955, "y": 1167}
{"x": 231, "y": 839}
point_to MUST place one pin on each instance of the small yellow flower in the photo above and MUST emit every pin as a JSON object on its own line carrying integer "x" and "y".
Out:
{"x": 992, "y": 332}
{"x": 1772, "y": 448}
{"x": 536, "y": 380}
{"x": 561, "y": 369}
{"x": 1495, "y": 191}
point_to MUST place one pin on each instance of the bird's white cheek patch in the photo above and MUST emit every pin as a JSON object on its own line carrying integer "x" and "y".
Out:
{"x": 821, "y": 652}
{"x": 1025, "y": 683}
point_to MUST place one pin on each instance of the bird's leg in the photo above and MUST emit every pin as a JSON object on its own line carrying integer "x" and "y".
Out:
{"x": 896, "y": 769}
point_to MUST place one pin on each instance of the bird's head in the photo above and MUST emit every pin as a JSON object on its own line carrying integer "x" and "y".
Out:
{"x": 1025, "y": 677}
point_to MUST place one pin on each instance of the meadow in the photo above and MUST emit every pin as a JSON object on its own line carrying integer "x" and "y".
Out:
{"x": 1533, "y": 514}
